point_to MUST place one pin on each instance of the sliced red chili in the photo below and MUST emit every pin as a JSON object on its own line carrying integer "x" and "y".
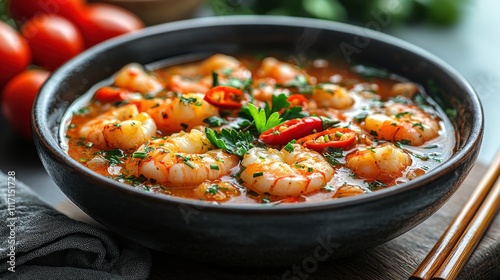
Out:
{"x": 331, "y": 138}
{"x": 111, "y": 94}
{"x": 292, "y": 129}
{"x": 297, "y": 100}
{"x": 225, "y": 97}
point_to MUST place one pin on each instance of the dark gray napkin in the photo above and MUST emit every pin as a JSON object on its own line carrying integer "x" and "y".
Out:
{"x": 49, "y": 245}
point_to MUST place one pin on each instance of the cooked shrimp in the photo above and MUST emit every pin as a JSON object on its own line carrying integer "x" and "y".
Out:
{"x": 179, "y": 113}
{"x": 383, "y": 163}
{"x": 134, "y": 78}
{"x": 402, "y": 122}
{"x": 183, "y": 159}
{"x": 281, "y": 172}
{"x": 332, "y": 96}
{"x": 280, "y": 71}
{"x": 123, "y": 128}
{"x": 407, "y": 90}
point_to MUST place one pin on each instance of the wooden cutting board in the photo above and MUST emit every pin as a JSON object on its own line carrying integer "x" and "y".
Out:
{"x": 396, "y": 259}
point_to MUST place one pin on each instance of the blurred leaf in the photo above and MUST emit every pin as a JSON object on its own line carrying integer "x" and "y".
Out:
{"x": 390, "y": 12}
{"x": 325, "y": 9}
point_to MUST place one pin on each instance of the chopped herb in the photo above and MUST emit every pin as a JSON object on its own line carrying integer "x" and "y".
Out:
{"x": 370, "y": 72}
{"x": 431, "y": 146}
{"x": 289, "y": 147}
{"x": 184, "y": 126}
{"x": 338, "y": 134}
{"x": 375, "y": 185}
{"x": 252, "y": 193}
{"x": 419, "y": 125}
{"x": 214, "y": 167}
{"x": 373, "y": 133}
{"x": 215, "y": 79}
{"x": 309, "y": 169}
{"x": 71, "y": 126}
{"x": 82, "y": 111}
{"x": 332, "y": 154}
{"x": 117, "y": 125}
{"x": 359, "y": 118}
{"x": 113, "y": 156}
{"x": 214, "y": 121}
{"x": 139, "y": 155}
{"x": 329, "y": 188}
{"x": 186, "y": 160}
{"x": 188, "y": 100}
{"x": 83, "y": 160}
{"x": 89, "y": 145}
{"x": 300, "y": 83}
{"x": 213, "y": 189}
{"x": 451, "y": 113}
{"x": 80, "y": 143}
{"x": 400, "y": 115}
{"x": 258, "y": 174}
{"x": 266, "y": 199}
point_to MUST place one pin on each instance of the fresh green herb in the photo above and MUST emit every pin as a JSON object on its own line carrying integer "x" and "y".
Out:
{"x": 117, "y": 125}
{"x": 262, "y": 120}
{"x": 188, "y": 100}
{"x": 186, "y": 160}
{"x": 373, "y": 133}
{"x": 82, "y": 111}
{"x": 258, "y": 174}
{"x": 184, "y": 126}
{"x": 431, "y": 146}
{"x": 329, "y": 188}
{"x": 214, "y": 167}
{"x": 332, "y": 154}
{"x": 214, "y": 121}
{"x": 300, "y": 83}
{"x": 215, "y": 79}
{"x": 139, "y": 155}
{"x": 402, "y": 114}
{"x": 132, "y": 180}
{"x": 213, "y": 189}
{"x": 401, "y": 99}
{"x": 370, "y": 72}
{"x": 289, "y": 146}
{"x": 80, "y": 143}
{"x": 359, "y": 118}
{"x": 83, "y": 160}
{"x": 114, "y": 156}
{"x": 419, "y": 125}
{"x": 252, "y": 193}
{"x": 266, "y": 199}
{"x": 230, "y": 140}
{"x": 71, "y": 126}
{"x": 338, "y": 134}
{"x": 451, "y": 113}
{"x": 309, "y": 169}
{"x": 375, "y": 185}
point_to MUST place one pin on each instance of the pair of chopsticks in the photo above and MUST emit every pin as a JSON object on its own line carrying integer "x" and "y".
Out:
{"x": 457, "y": 243}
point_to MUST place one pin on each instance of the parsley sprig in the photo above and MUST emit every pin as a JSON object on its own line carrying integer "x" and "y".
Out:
{"x": 230, "y": 140}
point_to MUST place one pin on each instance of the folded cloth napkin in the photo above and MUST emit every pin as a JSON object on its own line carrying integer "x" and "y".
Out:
{"x": 37, "y": 242}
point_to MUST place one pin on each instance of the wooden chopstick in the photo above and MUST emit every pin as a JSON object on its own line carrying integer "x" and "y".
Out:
{"x": 446, "y": 243}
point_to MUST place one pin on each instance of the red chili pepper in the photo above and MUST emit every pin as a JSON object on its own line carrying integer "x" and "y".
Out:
{"x": 111, "y": 94}
{"x": 225, "y": 97}
{"x": 294, "y": 129}
{"x": 331, "y": 138}
{"x": 297, "y": 100}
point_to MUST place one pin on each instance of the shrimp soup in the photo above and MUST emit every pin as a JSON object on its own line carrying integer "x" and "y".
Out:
{"x": 249, "y": 130}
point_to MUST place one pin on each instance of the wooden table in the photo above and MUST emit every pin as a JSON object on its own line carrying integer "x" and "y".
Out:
{"x": 396, "y": 259}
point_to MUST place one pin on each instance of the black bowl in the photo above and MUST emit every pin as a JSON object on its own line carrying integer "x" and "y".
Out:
{"x": 256, "y": 234}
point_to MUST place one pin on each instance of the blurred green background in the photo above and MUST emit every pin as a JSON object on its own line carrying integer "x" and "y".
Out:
{"x": 439, "y": 12}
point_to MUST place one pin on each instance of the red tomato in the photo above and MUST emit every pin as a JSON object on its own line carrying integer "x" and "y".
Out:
{"x": 15, "y": 54}
{"x": 104, "y": 21}
{"x": 17, "y": 99}
{"x": 23, "y": 10}
{"x": 53, "y": 40}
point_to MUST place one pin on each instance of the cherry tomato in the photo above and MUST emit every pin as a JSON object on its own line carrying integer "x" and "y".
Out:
{"x": 104, "y": 21}
{"x": 225, "y": 97}
{"x": 53, "y": 40}
{"x": 111, "y": 94}
{"x": 15, "y": 54}
{"x": 17, "y": 99}
{"x": 295, "y": 129}
{"x": 331, "y": 138}
{"x": 23, "y": 10}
